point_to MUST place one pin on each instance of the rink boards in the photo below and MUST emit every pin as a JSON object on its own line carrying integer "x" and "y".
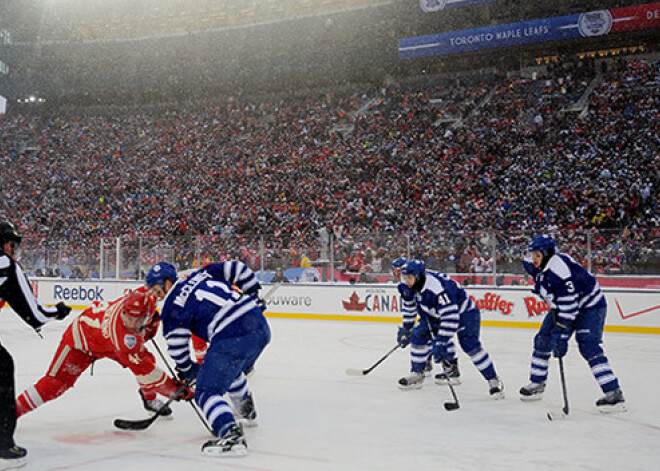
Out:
{"x": 630, "y": 310}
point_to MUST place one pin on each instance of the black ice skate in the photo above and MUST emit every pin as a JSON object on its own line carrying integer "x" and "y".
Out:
{"x": 231, "y": 445}
{"x": 612, "y": 401}
{"x": 496, "y": 388}
{"x": 12, "y": 458}
{"x": 155, "y": 405}
{"x": 413, "y": 381}
{"x": 450, "y": 374}
{"x": 532, "y": 392}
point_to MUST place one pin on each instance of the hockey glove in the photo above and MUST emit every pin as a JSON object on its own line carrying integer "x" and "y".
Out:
{"x": 151, "y": 329}
{"x": 559, "y": 340}
{"x": 184, "y": 393}
{"x": 403, "y": 337}
{"x": 439, "y": 351}
{"x": 261, "y": 304}
{"x": 190, "y": 373}
{"x": 62, "y": 311}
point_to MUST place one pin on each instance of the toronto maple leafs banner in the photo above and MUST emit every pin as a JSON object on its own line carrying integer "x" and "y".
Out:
{"x": 430, "y": 6}
{"x": 587, "y": 24}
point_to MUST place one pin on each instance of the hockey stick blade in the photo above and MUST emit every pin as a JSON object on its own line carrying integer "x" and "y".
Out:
{"x": 556, "y": 415}
{"x": 450, "y": 406}
{"x": 125, "y": 424}
{"x": 355, "y": 372}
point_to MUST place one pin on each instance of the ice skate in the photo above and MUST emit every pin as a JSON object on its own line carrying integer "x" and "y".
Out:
{"x": 156, "y": 405}
{"x": 532, "y": 392}
{"x": 450, "y": 374}
{"x": 612, "y": 401}
{"x": 413, "y": 381}
{"x": 246, "y": 413}
{"x": 12, "y": 458}
{"x": 496, "y": 388}
{"x": 231, "y": 445}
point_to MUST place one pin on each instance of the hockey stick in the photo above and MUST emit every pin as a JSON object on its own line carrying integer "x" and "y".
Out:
{"x": 356, "y": 372}
{"x": 192, "y": 403}
{"x": 271, "y": 291}
{"x": 126, "y": 424}
{"x": 560, "y": 414}
{"x": 448, "y": 405}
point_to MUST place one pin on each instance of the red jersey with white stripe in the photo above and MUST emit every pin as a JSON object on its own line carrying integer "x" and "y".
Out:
{"x": 99, "y": 331}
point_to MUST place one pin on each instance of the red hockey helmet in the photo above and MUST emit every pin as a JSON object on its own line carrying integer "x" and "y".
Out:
{"x": 136, "y": 310}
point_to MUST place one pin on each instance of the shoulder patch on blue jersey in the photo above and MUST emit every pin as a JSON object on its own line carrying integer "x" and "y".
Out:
{"x": 433, "y": 283}
{"x": 130, "y": 341}
{"x": 557, "y": 266}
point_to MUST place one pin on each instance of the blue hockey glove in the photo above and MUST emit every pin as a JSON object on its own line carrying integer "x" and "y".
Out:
{"x": 559, "y": 340}
{"x": 190, "y": 373}
{"x": 261, "y": 304}
{"x": 439, "y": 351}
{"x": 403, "y": 337}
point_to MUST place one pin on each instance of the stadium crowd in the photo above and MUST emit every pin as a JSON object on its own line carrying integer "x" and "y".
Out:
{"x": 428, "y": 161}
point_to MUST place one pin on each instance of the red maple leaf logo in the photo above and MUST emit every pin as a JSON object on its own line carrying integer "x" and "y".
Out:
{"x": 354, "y": 304}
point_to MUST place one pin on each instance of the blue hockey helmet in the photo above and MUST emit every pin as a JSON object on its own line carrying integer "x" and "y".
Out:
{"x": 413, "y": 267}
{"x": 399, "y": 262}
{"x": 159, "y": 273}
{"x": 543, "y": 243}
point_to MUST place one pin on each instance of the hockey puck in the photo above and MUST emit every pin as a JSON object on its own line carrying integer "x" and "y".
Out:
{"x": 451, "y": 406}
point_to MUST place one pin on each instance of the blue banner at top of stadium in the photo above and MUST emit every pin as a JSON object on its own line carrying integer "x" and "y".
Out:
{"x": 430, "y": 6}
{"x": 506, "y": 35}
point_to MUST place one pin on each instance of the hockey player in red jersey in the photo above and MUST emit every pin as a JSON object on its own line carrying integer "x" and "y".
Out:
{"x": 115, "y": 330}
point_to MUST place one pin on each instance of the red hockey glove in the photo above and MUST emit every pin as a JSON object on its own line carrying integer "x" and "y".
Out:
{"x": 184, "y": 393}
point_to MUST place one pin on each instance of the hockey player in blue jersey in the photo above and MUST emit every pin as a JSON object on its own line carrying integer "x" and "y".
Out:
{"x": 445, "y": 309}
{"x": 577, "y": 306}
{"x": 408, "y": 304}
{"x": 419, "y": 350}
{"x": 219, "y": 303}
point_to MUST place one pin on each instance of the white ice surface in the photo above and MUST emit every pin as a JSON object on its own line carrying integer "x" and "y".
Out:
{"x": 314, "y": 417}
